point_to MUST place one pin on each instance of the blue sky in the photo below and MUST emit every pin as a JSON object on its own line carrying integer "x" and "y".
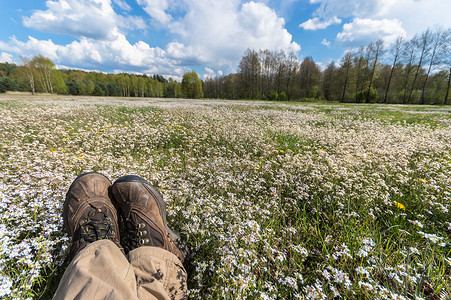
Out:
{"x": 171, "y": 37}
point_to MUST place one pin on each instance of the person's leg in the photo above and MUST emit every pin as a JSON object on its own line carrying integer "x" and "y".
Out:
{"x": 158, "y": 273}
{"x": 155, "y": 251}
{"x": 99, "y": 269}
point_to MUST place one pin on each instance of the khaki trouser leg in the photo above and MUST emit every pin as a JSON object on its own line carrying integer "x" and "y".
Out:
{"x": 101, "y": 271}
{"x": 158, "y": 273}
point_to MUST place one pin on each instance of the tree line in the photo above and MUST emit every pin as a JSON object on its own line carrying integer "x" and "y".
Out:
{"x": 40, "y": 75}
{"x": 408, "y": 71}
{"x": 416, "y": 71}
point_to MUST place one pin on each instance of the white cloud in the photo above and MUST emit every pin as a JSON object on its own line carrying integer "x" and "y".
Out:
{"x": 6, "y": 57}
{"x": 415, "y": 15}
{"x": 156, "y": 9}
{"x": 79, "y": 18}
{"x": 86, "y": 53}
{"x": 131, "y": 22}
{"x": 325, "y": 43}
{"x": 363, "y": 31}
{"x": 264, "y": 29}
{"x": 317, "y": 23}
{"x": 220, "y": 31}
{"x": 187, "y": 55}
{"x": 82, "y": 18}
{"x": 122, "y": 5}
{"x": 211, "y": 33}
{"x": 209, "y": 73}
{"x": 348, "y": 8}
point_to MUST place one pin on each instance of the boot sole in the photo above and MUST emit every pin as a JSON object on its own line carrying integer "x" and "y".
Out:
{"x": 174, "y": 235}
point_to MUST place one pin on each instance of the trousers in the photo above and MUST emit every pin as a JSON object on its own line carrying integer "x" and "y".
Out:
{"x": 102, "y": 271}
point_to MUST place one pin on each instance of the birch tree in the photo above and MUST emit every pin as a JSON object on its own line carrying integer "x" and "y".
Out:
{"x": 437, "y": 49}
{"x": 395, "y": 51}
{"x": 29, "y": 70}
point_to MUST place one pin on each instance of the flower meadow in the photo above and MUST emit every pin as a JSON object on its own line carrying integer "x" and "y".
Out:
{"x": 276, "y": 201}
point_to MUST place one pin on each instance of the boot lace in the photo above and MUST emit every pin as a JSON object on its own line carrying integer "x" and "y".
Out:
{"x": 97, "y": 226}
{"x": 135, "y": 236}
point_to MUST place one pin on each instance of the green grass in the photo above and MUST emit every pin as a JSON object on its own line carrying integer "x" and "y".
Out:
{"x": 278, "y": 200}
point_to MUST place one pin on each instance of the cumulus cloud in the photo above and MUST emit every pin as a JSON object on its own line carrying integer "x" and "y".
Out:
{"x": 209, "y": 73}
{"x": 415, "y": 15}
{"x": 85, "y": 18}
{"x": 220, "y": 31}
{"x": 211, "y": 33}
{"x": 81, "y": 18}
{"x": 363, "y": 31}
{"x": 187, "y": 55}
{"x": 316, "y": 23}
{"x": 6, "y": 57}
{"x": 117, "y": 53}
{"x": 157, "y": 10}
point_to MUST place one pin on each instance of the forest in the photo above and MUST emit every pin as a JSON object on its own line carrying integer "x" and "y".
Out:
{"x": 415, "y": 71}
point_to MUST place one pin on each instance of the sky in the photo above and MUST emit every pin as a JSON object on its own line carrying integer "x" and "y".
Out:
{"x": 171, "y": 37}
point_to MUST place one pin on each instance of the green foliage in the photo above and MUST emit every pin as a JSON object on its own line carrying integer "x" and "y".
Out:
{"x": 159, "y": 78}
{"x": 273, "y": 95}
{"x": 73, "y": 87}
{"x": 59, "y": 86}
{"x": 191, "y": 85}
{"x": 313, "y": 92}
{"x": 98, "y": 91}
{"x": 7, "y": 84}
{"x": 362, "y": 97}
{"x": 39, "y": 74}
{"x": 113, "y": 89}
{"x": 282, "y": 96}
{"x": 7, "y": 69}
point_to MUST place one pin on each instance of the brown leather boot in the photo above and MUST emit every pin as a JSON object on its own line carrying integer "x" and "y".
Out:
{"x": 144, "y": 213}
{"x": 88, "y": 213}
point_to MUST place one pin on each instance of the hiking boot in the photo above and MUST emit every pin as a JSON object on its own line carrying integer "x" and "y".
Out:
{"x": 144, "y": 214}
{"x": 88, "y": 213}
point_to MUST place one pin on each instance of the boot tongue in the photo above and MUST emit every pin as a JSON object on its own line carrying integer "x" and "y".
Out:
{"x": 96, "y": 225}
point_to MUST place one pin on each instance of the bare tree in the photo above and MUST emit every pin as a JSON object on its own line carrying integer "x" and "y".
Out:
{"x": 438, "y": 39}
{"x": 374, "y": 54}
{"x": 346, "y": 67}
{"x": 446, "y": 62}
{"x": 409, "y": 55}
{"x": 361, "y": 63}
{"x": 250, "y": 71}
{"x": 309, "y": 77}
{"x": 291, "y": 67}
{"x": 328, "y": 82}
{"x": 395, "y": 51}
{"x": 280, "y": 69}
{"x": 422, "y": 44}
